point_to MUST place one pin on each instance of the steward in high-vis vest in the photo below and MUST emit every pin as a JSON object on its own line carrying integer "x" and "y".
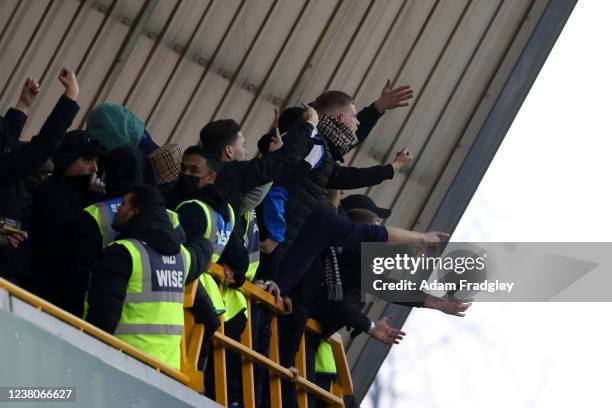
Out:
{"x": 137, "y": 286}
{"x": 235, "y": 301}
{"x": 203, "y": 213}
{"x": 104, "y": 212}
{"x": 217, "y": 231}
{"x": 124, "y": 166}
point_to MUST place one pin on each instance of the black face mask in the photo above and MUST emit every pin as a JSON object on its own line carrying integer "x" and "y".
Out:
{"x": 188, "y": 184}
{"x": 81, "y": 183}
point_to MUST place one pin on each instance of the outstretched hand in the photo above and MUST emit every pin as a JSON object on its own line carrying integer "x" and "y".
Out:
{"x": 391, "y": 98}
{"x": 448, "y": 304}
{"x": 385, "y": 333}
{"x": 433, "y": 237}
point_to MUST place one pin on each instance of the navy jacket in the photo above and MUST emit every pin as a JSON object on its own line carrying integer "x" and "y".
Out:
{"x": 323, "y": 228}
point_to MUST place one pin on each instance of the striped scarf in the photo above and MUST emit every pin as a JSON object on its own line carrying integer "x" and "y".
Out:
{"x": 332, "y": 276}
{"x": 337, "y": 133}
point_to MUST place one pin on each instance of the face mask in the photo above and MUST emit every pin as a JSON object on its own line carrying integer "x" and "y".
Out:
{"x": 79, "y": 182}
{"x": 337, "y": 133}
{"x": 188, "y": 184}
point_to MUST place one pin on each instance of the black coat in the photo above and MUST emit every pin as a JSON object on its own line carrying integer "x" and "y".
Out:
{"x": 346, "y": 313}
{"x": 87, "y": 245}
{"x": 11, "y": 188}
{"x": 11, "y": 126}
{"x": 112, "y": 272}
{"x": 307, "y": 192}
{"x": 329, "y": 174}
{"x": 56, "y": 211}
{"x": 237, "y": 178}
{"x": 16, "y": 162}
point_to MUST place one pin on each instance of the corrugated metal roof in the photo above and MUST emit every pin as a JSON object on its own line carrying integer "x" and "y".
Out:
{"x": 178, "y": 64}
{"x": 197, "y": 60}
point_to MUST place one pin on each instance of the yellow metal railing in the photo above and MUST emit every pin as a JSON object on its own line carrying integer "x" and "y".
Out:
{"x": 192, "y": 340}
{"x": 342, "y": 386}
{"x": 92, "y": 330}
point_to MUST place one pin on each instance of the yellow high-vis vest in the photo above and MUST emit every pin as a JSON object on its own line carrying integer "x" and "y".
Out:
{"x": 104, "y": 213}
{"x": 324, "y": 359}
{"x": 220, "y": 232}
{"x": 152, "y": 314}
{"x": 235, "y": 301}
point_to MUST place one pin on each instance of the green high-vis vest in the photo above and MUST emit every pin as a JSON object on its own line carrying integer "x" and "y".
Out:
{"x": 104, "y": 213}
{"x": 152, "y": 314}
{"x": 221, "y": 230}
{"x": 324, "y": 359}
{"x": 235, "y": 301}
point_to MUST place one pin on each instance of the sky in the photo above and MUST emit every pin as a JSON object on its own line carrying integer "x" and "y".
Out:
{"x": 550, "y": 181}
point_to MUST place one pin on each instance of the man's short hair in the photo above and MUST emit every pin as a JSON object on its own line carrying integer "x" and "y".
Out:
{"x": 329, "y": 100}
{"x": 145, "y": 197}
{"x": 362, "y": 215}
{"x": 218, "y": 134}
{"x": 213, "y": 163}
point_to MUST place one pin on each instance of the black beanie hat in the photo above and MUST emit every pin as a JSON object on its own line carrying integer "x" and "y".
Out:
{"x": 75, "y": 144}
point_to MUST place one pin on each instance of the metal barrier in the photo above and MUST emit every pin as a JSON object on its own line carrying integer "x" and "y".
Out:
{"x": 342, "y": 386}
{"x": 92, "y": 330}
{"x": 192, "y": 340}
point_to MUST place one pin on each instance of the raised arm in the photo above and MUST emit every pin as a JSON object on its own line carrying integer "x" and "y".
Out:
{"x": 15, "y": 166}
{"x": 390, "y": 98}
{"x": 348, "y": 178}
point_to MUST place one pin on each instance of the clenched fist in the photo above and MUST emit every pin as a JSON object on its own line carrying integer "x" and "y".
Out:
{"x": 69, "y": 80}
